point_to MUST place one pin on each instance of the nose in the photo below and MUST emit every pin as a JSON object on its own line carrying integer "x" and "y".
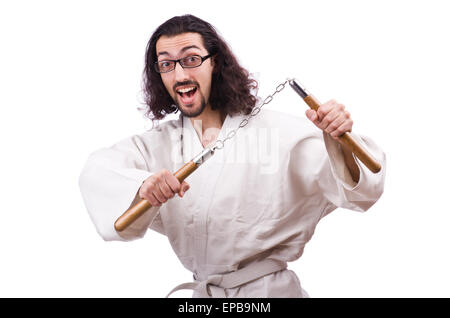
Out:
{"x": 180, "y": 73}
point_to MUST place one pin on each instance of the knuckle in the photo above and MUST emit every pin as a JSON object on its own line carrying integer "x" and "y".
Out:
{"x": 146, "y": 196}
{"x": 157, "y": 178}
{"x": 143, "y": 191}
{"x": 341, "y": 130}
{"x": 321, "y": 111}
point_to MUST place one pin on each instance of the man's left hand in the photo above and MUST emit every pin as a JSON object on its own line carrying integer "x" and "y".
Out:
{"x": 332, "y": 118}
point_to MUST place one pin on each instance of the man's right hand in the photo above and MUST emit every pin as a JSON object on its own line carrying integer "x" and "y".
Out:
{"x": 162, "y": 186}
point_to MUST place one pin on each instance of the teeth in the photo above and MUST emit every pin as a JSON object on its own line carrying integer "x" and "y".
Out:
{"x": 185, "y": 90}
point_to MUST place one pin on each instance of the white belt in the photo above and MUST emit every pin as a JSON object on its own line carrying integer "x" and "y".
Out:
{"x": 233, "y": 279}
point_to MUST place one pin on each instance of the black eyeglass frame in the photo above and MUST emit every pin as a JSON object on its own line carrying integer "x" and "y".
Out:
{"x": 203, "y": 58}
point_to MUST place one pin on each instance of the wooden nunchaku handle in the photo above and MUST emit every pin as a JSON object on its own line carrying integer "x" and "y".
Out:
{"x": 350, "y": 142}
{"x": 143, "y": 205}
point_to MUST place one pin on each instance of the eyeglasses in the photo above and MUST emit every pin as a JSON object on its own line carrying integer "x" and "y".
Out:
{"x": 190, "y": 61}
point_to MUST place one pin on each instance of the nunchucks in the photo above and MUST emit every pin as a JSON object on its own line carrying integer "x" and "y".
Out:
{"x": 143, "y": 205}
{"x": 347, "y": 140}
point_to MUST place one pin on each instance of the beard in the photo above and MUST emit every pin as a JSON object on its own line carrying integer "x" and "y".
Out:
{"x": 191, "y": 111}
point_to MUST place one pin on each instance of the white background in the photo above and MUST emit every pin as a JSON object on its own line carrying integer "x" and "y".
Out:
{"x": 70, "y": 76}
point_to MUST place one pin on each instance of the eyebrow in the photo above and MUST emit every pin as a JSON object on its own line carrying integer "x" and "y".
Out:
{"x": 182, "y": 50}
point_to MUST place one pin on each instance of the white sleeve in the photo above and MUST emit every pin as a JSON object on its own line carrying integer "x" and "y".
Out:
{"x": 109, "y": 184}
{"x": 318, "y": 163}
{"x": 337, "y": 184}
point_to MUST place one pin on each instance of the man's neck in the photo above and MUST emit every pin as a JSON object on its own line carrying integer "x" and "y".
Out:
{"x": 208, "y": 125}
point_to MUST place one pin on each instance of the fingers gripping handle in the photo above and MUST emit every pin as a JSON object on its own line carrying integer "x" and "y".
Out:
{"x": 347, "y": 140}
{"x": 133, "y": 213}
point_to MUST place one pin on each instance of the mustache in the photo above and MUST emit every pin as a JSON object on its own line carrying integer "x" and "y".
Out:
{"x": 185, "y": 83}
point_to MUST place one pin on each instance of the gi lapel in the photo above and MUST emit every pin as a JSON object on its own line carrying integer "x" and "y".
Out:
{"x": 204, "y": 180}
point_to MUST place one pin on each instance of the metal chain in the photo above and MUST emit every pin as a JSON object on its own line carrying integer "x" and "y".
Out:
{"x": 219, "y": 144}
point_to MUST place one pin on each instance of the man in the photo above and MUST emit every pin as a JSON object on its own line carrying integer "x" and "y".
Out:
{"x": 242, "y": 217}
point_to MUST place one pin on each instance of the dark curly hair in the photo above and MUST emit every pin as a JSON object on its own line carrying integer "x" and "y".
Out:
{"x": 232, "y": 89}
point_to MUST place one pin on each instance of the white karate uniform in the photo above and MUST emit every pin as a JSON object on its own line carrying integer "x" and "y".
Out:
{"x": 260, "y": 197}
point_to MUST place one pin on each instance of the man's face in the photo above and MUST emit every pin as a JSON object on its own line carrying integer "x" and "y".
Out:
{"x": 180, "y": 80}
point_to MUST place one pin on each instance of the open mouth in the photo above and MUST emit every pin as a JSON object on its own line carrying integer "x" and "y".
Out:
{"x": 187, "y": 94}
